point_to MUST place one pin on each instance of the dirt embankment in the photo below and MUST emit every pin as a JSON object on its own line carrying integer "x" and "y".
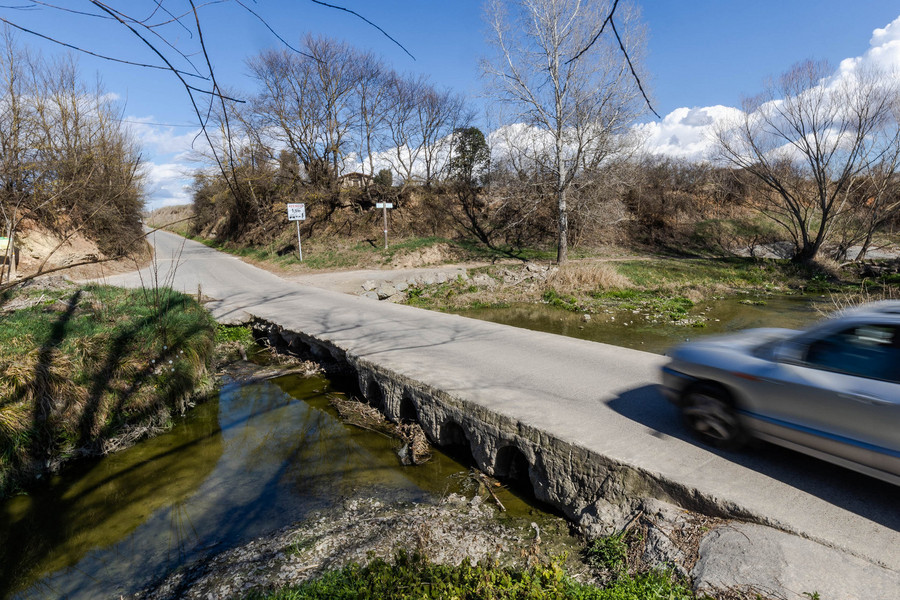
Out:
{"x": 74, "y": 256}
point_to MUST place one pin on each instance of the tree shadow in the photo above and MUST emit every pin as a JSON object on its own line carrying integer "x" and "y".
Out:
{"x": 42, "y": 443}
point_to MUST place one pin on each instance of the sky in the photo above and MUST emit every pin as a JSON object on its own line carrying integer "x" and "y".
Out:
{"x": 701, "y": 53}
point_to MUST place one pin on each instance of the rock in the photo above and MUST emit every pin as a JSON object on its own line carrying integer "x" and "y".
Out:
{"x": 747, "y": 557}
{"x": 372, "y": 295}
{"x": 396, "y": 298}
{"x": 385, "y": 290}
{"x": 369, "y": 285}
{"x": 484, "y": 280}
{"x": 401, "y": 286}
{"x": 441, "y": 277}
{"x": 586, "y": 317}
{"x": 428, "y": 279}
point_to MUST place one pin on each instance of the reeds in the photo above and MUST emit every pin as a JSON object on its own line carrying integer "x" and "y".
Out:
{"x": 580, "y": 277}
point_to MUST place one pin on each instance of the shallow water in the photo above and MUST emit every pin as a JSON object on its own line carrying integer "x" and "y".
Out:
{"x": 255, "y": 459}
{"x": 641, "y": 332}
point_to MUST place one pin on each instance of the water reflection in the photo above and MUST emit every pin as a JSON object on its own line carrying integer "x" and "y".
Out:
{"x": 98, "y": 502}
{"x": 252, "y": 461}
{"x": 635, "y": 330}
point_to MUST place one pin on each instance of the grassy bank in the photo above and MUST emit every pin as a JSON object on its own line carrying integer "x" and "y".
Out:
{"x": 85, "y": 370}
{"x": 411, "y": 576}
{"x": 664, "y": 288}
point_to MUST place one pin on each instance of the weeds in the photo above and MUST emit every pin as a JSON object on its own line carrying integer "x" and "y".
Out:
{"x": 608, "y": 553}
{"x": 412, "y": 576}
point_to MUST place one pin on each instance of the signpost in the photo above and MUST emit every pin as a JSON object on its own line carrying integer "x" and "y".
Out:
{"x": 384, "y": 206}
{"x": 297, "y": 212}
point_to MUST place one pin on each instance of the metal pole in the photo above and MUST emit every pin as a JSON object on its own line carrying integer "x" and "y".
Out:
{"x": 384, "y": 210}
{"x": 299, "y": 247}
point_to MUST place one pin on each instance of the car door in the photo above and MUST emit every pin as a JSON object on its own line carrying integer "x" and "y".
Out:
{"x": 837, "y": 394}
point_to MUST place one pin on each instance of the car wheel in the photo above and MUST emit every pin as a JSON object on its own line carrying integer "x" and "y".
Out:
{"x": 708, "y": 411}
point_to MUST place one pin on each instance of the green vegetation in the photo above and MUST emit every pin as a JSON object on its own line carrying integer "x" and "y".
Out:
{"x": 609, "y": 553}
{"x": 82, "y": 367}
{"x": 566, "y": 302}
{"x": 413, "y": 577}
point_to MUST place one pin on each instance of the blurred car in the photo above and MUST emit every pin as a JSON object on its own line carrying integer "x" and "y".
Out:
{"x": 832, "y": 390}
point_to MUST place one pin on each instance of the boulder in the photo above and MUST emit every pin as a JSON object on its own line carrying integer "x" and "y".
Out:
{"x": 386, "y": 290}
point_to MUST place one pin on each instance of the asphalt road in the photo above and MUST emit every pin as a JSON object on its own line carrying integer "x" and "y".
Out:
{"x": 598, "y": 396}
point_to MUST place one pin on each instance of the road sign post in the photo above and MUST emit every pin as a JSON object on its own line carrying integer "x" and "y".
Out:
{"x": 297, "y": 212}
{"x": 384, "y": 206}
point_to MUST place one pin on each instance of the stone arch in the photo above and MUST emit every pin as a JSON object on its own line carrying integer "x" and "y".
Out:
{"x": 298, "y": 347}
{"x": 455, "y": 442}
{"x": 408, "y": 410}
{"x": 513, "y": 467}
{"x": 374, "y": 394}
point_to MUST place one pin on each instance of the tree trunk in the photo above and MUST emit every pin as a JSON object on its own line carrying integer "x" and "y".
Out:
{"x": 806, "y": 253}
{"x": 562, "y": 248}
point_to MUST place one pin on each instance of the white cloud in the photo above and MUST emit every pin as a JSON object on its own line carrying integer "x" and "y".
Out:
{"x": 164, "y": 140}
{"x": 168, "y": 166}
{"x": 686, "y": 132}
{"x": 884, "y": 48}
{"x": 166, "y": 184}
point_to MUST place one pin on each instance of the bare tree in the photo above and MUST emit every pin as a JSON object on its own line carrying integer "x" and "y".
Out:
{"x": 440, "y": 113}
{"x": 373, "y": 92}
{"x": 813, "y": 143}
{"x": 68, "y": 161}
{"x": 308, "y": 102}
{"x": 574, "y": 89}
{"x": 17, "y": 136}
{"x": 404, "y": 126}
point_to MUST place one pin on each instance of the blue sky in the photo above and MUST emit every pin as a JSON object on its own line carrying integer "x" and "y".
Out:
{"x": 700, "y": 52}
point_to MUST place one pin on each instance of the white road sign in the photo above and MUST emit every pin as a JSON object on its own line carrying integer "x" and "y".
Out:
{"x": 296, "y": 212}
{"x": 383, "y": 205}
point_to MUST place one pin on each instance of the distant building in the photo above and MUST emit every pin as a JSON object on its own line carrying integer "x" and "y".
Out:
{"x": 355, "y": 180}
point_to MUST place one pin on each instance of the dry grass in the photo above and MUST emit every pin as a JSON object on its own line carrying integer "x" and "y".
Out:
{"x": 847, "y": 300}
{"x": 581, "y": 277}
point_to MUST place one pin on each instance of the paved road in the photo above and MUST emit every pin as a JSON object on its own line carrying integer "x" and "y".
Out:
{"x": 598, "y": 396}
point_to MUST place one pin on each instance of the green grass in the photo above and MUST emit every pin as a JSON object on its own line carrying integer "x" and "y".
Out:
{"x": 609, "y": 553}
{"x": 413, "y": 577}
{"x": 736, "y": 273}
{"x": 82, "y": 365}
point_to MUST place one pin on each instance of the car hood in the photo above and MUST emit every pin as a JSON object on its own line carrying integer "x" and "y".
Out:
{"x": 741, "y": 341}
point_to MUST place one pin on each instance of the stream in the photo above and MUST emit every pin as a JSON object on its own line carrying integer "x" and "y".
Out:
{"x": 250, "y": 461}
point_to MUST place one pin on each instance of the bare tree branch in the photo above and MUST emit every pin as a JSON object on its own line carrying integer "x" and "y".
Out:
{"x": 356, "y": 14}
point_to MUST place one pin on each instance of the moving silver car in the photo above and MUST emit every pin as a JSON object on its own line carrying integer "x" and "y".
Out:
{"x": 832, "y": 391}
